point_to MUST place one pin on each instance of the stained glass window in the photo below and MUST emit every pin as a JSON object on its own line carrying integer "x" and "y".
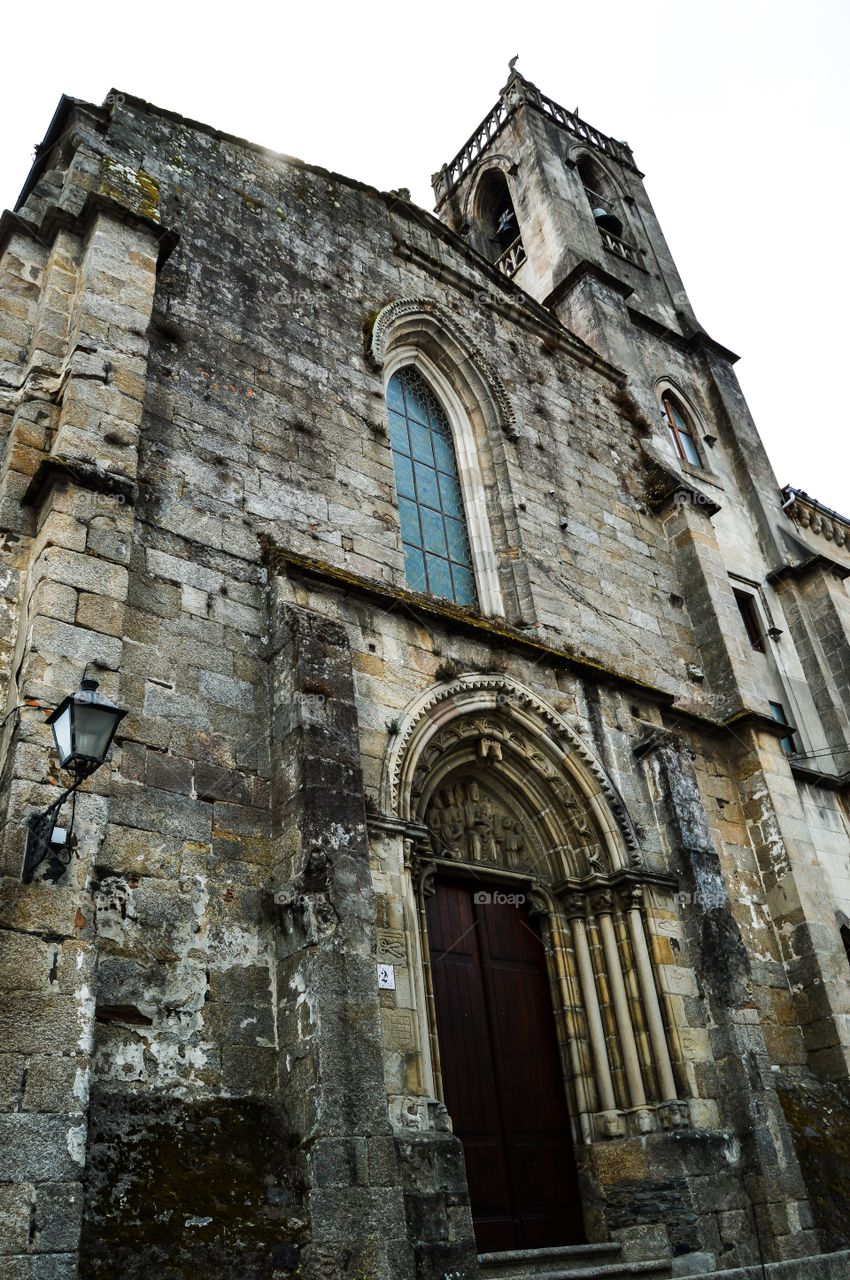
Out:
{"x": 437, "y": 556}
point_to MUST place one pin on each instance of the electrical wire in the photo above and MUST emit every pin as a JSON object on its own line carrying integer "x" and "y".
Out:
{"x": 838, "y": 748}
{"x": 23, "y": 706}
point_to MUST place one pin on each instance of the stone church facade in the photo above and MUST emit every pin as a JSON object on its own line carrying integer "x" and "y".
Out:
{"x": 467, "y": 891}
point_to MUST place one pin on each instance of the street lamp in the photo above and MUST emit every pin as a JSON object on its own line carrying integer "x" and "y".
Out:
{"x": 83, "y": 725}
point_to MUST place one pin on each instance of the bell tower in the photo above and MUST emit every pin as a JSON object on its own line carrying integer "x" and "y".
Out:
{"x": 549, "y": 199}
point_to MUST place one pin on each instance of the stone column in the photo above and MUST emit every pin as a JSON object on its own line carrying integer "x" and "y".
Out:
{"x": 575, "y": 908}
{"x": 817, "y": 607}
{"x": 72, "y": 515}
{"x": 649, "y": 998}
{"x": 331, "y": 1071}
{"x": 573, "y": 1024}
{"x": 770, "y": 1167}
{"x": 603, "y": 905}
{"x": 710, "y": 602}
{"x": 803, "y": 915}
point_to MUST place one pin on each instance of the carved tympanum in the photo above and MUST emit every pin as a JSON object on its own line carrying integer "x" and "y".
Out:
{"x": 469, "y": 824}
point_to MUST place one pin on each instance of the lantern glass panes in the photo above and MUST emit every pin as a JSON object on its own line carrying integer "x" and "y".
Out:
{"x": 83, "y": 727}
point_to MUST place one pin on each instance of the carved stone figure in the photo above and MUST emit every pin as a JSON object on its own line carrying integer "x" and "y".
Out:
{"x": 466, "y": 822}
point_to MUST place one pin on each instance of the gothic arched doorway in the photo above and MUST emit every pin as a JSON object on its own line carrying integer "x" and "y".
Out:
{"x": 540, "y": 1019}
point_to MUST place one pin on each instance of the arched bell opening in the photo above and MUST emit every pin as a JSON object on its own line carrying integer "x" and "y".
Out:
{"x": 498, "y": 233}
{"x": 601, "y": 196}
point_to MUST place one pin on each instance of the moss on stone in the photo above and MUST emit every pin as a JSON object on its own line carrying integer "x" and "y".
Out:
{"x": 135, "y": 189}
{"x": 819, "y": 1116}
{"x": 250, "y": 202}
{"x": 187, "y": 1188}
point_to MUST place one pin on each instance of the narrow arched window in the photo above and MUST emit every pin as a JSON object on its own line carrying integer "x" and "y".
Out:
{"x": 679, "y": 423}
{"x": 599, "y": 196}
{"x": 498, "y": 225}
{"x": 437, "y": 555}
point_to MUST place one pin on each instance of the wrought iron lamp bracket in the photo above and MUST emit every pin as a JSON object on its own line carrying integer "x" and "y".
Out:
{"x": 40, "y": 844}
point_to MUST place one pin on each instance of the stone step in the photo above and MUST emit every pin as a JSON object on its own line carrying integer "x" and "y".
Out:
{"x": 607, "y": 1271}
{"x": 821, "y": 1266}
{"x": 571, "y": 1262}
{"x": 497, "y": 1266}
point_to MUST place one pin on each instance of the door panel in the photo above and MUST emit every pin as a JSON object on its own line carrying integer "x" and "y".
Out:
{"x": 501, "y": 1069}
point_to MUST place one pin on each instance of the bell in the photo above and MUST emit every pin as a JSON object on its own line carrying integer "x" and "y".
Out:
{"x": 608, "y": 221}
{"x": 507, "y": 221}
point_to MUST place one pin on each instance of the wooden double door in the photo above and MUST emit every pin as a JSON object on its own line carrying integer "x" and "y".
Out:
{"x": 502, "y": 1078}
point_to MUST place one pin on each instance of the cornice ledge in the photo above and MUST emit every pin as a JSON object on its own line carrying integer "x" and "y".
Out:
{"x": 808, "y": 514}
{"x": 60, "y": 470}
{"x": 623, "y": 877}
{"x": 57, "y": 219}
{"x": 578, "y": 273}
{"x": 659, "y": 330}
{"x": 666, "y": 486}
{"x": 749, "y": 718}
{"x": 803, "y": 568}
{"x": 816, "y": 778}
{"x": 283, "y": 561}
{"x": 388, "y": 824}
{"x": 700, "y": 341}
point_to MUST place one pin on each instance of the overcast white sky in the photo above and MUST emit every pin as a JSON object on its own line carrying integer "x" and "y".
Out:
{"x": 737, "y": 112}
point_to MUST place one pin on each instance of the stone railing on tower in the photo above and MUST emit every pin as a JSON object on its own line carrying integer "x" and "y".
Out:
{"x": 515, "y": 92}
{"x": 512, "y": 259}
{"x": 614, "y": 244}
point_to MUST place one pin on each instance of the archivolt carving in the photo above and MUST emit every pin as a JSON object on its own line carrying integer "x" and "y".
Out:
{"x": 490, "y": 734}
{"x": 444, "y": 327}
{"x": 499, "y": 712}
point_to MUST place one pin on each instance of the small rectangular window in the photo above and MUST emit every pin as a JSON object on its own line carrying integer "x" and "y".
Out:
{"x": 750, "y": 615}
{"x": 778, "y": 712}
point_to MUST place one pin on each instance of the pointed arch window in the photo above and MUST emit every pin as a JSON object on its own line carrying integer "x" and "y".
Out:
{"x": 498, "y": 224}
{"x": 606, "y": 209}
{"x": 437, "y": 553}
{"x": 681, "y": 429}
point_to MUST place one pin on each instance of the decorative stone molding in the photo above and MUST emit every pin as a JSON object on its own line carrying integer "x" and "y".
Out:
{"x": 424, "y": 312}
{"x": 808, "y": 514}
{"x": 510, "y": 794}
{"x": 468, "y": 696}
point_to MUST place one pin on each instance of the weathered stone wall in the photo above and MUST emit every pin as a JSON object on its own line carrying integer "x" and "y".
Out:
{"x": 188, "y": 389}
